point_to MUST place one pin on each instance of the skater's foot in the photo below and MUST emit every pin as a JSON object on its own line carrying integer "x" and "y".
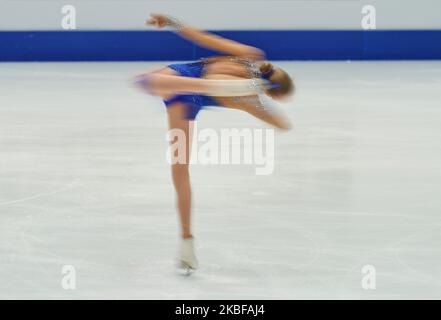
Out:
{"x": 187, "y": 257}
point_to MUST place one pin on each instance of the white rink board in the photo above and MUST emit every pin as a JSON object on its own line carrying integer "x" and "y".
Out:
{"x": 222, "y": 14}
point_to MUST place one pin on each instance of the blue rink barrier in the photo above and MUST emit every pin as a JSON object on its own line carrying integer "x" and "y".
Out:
{"x": 162, "y": 45}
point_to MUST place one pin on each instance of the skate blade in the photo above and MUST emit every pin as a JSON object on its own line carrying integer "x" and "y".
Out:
{"x": 186, "y": 269}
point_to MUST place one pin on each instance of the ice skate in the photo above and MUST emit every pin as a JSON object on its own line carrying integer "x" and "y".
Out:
{"x": 187, "y": 257}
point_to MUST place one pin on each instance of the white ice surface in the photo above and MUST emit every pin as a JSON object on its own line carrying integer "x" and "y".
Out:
{"x": 84, "y": 182}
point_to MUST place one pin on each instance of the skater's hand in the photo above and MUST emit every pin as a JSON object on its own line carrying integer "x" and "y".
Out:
{"x": 158, "y": 20}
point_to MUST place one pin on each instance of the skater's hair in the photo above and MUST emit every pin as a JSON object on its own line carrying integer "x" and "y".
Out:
{"x": 283, "y": 84}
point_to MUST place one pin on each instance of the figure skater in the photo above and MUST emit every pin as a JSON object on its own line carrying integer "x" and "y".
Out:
{"x": 240, "y": 79}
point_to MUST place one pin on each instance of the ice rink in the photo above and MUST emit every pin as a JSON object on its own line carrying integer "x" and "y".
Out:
{"x": 84, "y": 182}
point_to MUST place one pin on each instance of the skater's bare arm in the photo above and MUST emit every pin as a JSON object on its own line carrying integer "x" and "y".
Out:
{"x": 206, "y": 39}
{"x": 272, "y": 117}
{"x": 253, "y": 106}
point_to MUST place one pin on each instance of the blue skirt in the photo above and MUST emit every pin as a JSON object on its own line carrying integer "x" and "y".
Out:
{"x": 194, "y": 102}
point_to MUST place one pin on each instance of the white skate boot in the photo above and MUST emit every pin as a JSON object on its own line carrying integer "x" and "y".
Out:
{"x": 187, "y": 257}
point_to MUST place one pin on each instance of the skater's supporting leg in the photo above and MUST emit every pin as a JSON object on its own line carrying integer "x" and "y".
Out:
{"x": 180, "y": 171}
